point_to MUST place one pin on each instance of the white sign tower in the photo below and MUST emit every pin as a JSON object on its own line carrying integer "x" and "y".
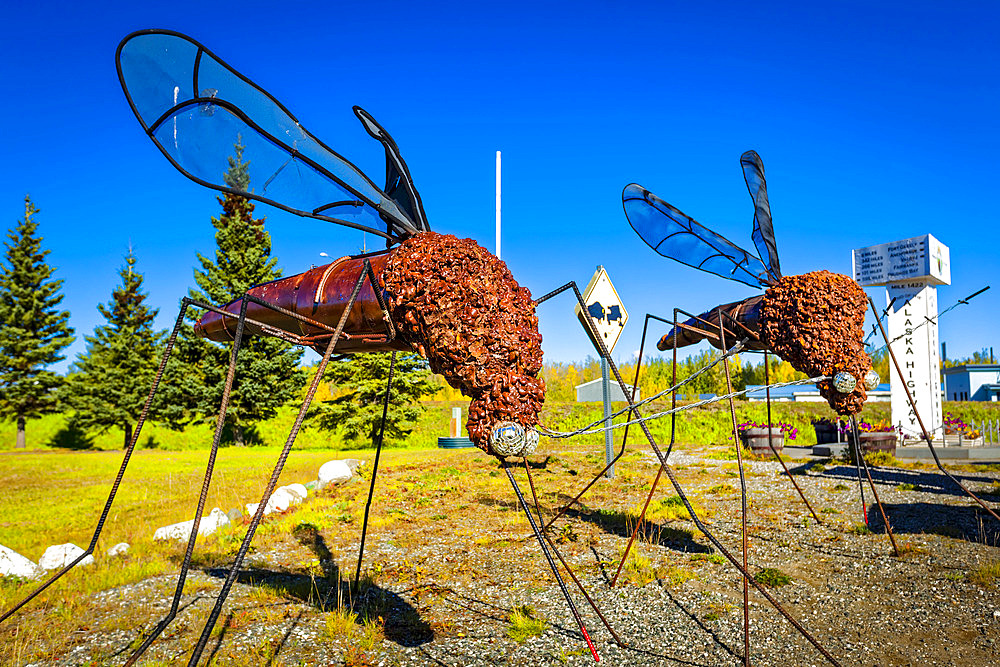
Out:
{"x": 911, "y": 270}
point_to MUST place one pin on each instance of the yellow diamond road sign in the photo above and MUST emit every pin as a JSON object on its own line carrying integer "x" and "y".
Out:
{"x": 604, "y": 309}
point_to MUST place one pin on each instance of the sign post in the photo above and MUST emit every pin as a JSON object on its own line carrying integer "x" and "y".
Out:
{"x": 608, "y": 316}
{"x": 910, "y": 270}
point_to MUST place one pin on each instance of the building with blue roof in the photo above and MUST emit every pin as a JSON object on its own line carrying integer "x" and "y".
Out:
{"x": 972, "y": 382}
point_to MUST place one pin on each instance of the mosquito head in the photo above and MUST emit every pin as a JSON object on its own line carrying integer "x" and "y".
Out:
{"x": 512, "y": 439}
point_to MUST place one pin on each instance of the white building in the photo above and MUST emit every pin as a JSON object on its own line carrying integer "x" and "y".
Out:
{"x": 592, "y": 391}
{"x": 804, "y": 393}
{"x": 972, "y": 382}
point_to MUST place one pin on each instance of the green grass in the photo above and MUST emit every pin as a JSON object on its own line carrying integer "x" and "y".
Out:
{"x": 987, "y": 574}
{"x": 707, "y": 426}
{"x": 772, "y": 577}
{"x": 523, "y": 624}
{"x": 159, "y": 488}
{"x": 670, "y": 508}
{"x": 54, "y": 495}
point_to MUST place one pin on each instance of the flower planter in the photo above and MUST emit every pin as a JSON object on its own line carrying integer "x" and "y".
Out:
{"x": 876, "y": 441}
{"x": 825, "y": 433}
{"x": 880, "y": 441}
{"x": 755, "y": 439}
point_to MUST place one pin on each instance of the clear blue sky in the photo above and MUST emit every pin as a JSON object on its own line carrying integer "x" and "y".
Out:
{"x": 875, "y": 121}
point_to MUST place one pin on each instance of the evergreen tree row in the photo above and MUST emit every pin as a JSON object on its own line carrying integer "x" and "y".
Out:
{"x": 108, "y": 385}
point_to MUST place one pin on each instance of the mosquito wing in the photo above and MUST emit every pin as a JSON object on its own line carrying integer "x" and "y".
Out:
{"x": 673, "y": 234}
{"x": 196, "y": 109}
{"x": 763, "y": 230}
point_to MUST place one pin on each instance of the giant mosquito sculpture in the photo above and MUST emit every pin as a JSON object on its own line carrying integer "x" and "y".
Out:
{"x": 814, "y": 321}
{"x": 425, "y": 293}
{"x": 445, "y": 298}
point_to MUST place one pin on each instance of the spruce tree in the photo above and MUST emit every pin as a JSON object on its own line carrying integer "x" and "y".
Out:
{"x": 114, "y": 375}
{"x": 267, "y": 371}
{"x": 32, "y": 331}
{"x": 358, "y": 387}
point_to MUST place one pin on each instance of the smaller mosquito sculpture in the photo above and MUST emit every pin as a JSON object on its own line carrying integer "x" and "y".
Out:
{"x": 814, "y": 321}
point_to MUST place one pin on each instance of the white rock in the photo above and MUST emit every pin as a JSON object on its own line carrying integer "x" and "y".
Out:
{"x": 282, "y": 498}
{"x": 60, "y": 555}
{"x": 13, "y": 564}
{"x": 182, "y": 531}
{"x": 119, "y": 549}
{"x": 337, "y": 472}
{"x": 234, "y": 514}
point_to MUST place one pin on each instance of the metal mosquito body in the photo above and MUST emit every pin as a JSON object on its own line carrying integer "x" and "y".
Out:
{"x": 195, "y": 108}
{"x": 814, "y": 321}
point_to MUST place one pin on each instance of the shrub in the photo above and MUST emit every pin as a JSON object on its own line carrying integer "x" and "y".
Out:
{"x": 773, "y": 577}
{"x": 523, "y": 624}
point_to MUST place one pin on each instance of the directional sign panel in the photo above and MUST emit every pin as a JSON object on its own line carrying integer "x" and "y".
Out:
{"x": 604, "y": 309}
{"x": 920, "y": 258}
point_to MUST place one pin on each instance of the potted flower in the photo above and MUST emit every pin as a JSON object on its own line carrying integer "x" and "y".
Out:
{"x": 877, "y": 437}
{"x": 959, "y": 430}
{"x": 759, "y": 438}
{"x": 826, "y": 430}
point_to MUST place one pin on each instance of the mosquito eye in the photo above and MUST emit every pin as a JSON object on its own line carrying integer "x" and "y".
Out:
{"x": 507, "y": 439}
{"x": 530, "y": 441}
{"x": 871, "y": 380}
{"x": 844, "y": 382}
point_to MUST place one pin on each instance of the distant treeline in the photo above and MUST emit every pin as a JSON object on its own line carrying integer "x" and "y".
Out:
{"x": 656, "y": 375}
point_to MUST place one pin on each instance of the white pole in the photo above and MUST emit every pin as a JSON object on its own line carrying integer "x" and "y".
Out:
{"x": 498, "y": 205}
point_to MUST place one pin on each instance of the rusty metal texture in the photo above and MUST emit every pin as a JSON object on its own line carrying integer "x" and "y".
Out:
{"x": 320, "y": 294}
{"x": 742, "y": 318}
{"x": 814, "y": 321}
{"x": 460, "y": 307}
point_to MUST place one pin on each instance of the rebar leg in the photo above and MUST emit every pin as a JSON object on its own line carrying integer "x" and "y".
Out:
{"x": 638, "y": 525}
{"x": 569, "y": 570}
{"x": 275, "y": 474}
{"x": 923, "y": 429}
{"x": 743, "y": 500}
{"x": 855, "y": 444}
{"x": 185, "y": 302}
{"x": 378, "y": 452}
{"x": 548, "y": 557}
{"x": 791, "y": 478}
{"x": 220, "y": 422}
{"x": 871, "y": 483}
{"x": 694, "y": 517}
{"x": 680, "y": 491}
{"x": 621, "y": 451}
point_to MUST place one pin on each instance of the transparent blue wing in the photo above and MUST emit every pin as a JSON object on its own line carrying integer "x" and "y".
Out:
{"x": 196, "y": 108}
{"x": 763, "y": 229}
{"x": 673, "y": 234}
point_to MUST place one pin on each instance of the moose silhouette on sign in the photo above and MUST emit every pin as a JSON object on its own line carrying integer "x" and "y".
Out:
{"x": 609, "y": 315}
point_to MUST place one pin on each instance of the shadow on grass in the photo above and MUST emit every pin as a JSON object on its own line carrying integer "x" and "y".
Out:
{"x": 932, "y": 481}
{"x": 969, "y": 522}
{"x": 622, "y": 524}
{"x": 534, "y": 465}
{"x": 71, "y": 437}
{"x": 334, "y": 588}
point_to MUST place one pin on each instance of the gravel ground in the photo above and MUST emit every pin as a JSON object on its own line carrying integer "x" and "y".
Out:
{"x": 446, "y": 603}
